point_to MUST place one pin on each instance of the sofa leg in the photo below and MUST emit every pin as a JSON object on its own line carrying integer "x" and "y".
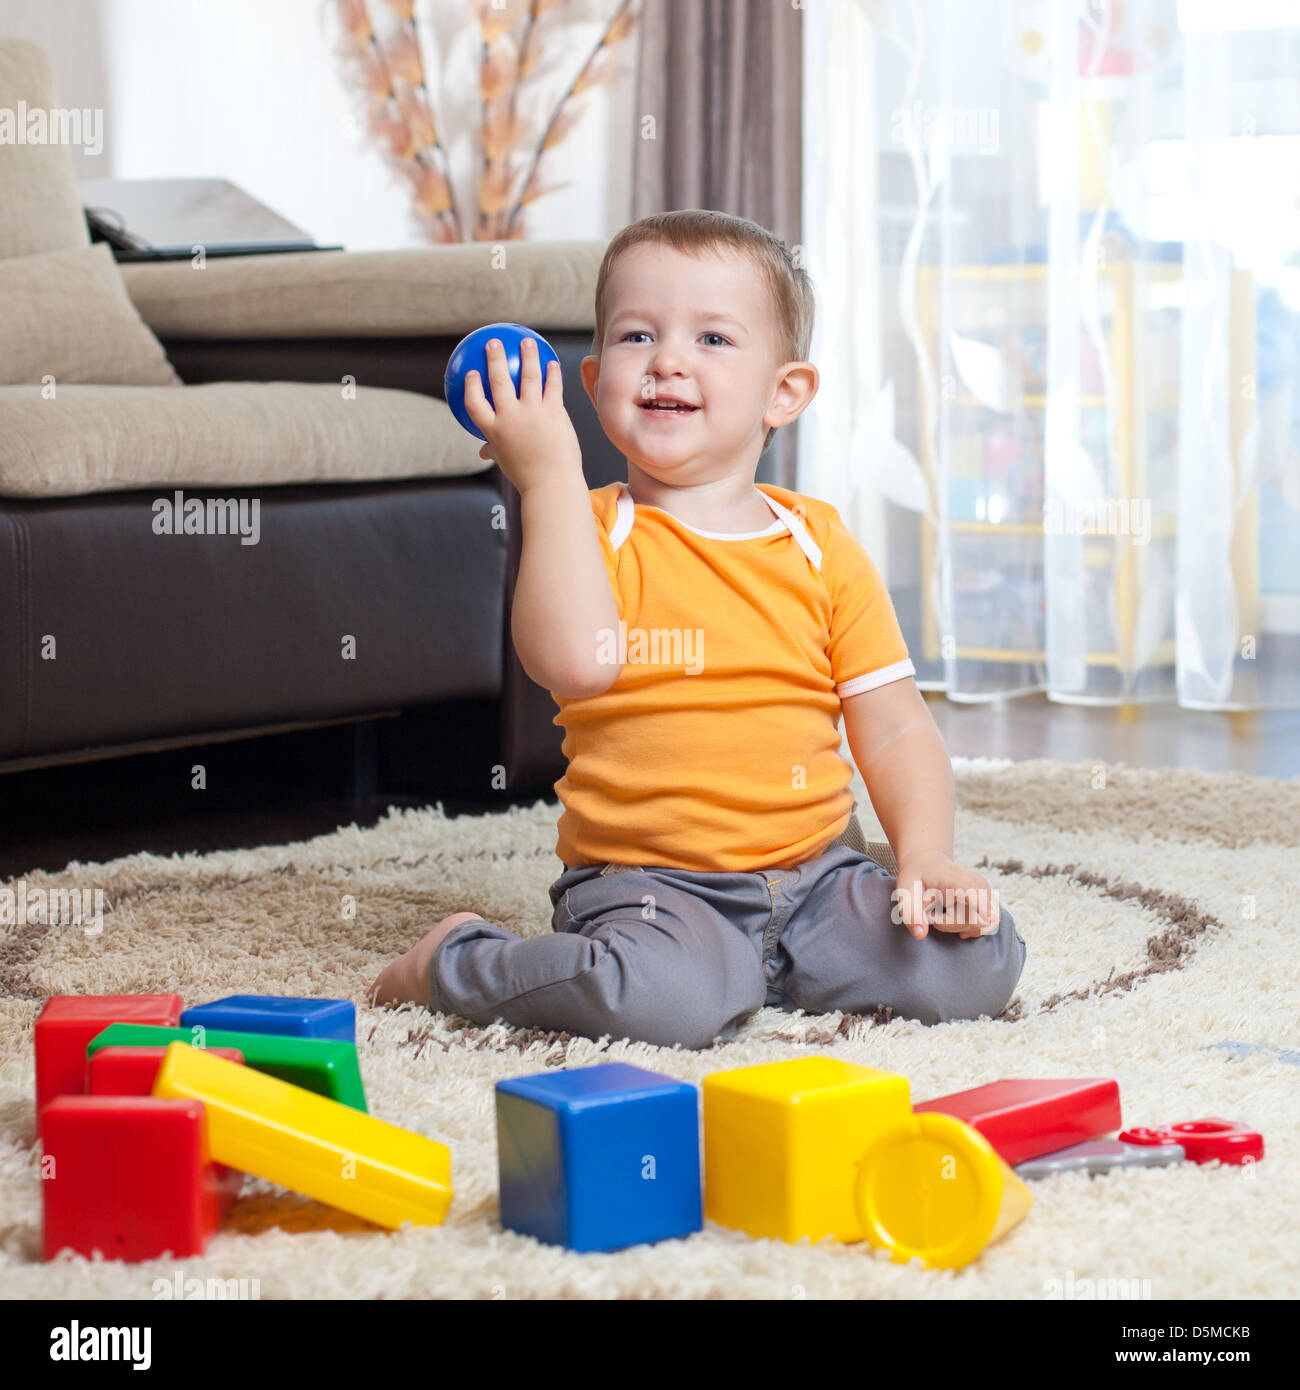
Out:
{"x": 363, "y": 767}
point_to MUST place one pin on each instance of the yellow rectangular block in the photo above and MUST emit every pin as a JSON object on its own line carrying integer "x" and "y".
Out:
{"x": 782, "y": 1142}
{"x": 310, "y": 1143}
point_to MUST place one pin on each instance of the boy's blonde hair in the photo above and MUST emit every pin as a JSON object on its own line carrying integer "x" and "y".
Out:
{"x": 693, "y": 231}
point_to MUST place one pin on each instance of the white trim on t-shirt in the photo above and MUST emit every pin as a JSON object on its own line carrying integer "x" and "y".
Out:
{"x": 859, "y": 685}
{"x": 785, "y": 521}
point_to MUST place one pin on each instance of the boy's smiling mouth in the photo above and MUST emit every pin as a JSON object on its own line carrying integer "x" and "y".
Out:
{"x": 669, "y": 406}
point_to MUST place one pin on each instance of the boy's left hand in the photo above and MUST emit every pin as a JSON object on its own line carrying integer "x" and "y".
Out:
{"x": 932, "y": 891}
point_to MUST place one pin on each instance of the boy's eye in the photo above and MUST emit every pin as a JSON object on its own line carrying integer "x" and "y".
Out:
{"x": 641, "y": 333}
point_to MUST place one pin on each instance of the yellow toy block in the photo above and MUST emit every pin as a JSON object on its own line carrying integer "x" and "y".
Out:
{"x": 310, "y": 1143}
{"x": 934, "y": 1188}
{"x": 782, "y": 1143}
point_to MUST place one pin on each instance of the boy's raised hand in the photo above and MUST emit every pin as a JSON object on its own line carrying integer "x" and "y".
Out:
{"x": 932, "y": 891}
{"x": 529, "y": 436}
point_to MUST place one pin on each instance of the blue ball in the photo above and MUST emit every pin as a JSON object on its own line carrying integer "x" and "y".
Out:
{"x": 470, "y": 355}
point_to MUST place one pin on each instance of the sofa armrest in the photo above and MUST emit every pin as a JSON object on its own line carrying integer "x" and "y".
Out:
{"x": 419, "y": 292}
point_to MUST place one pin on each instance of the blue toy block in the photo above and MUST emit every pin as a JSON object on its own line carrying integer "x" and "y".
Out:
{"x": 271, "y": 1013}
{"x": 599, "y": 1158}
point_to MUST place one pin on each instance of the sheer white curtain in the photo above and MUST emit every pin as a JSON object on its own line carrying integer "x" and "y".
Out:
{"x": 1056, "y": 247}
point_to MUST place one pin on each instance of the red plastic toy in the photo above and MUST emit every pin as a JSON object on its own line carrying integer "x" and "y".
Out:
{"x": 1149, "y": 1136}
{"x": 1025, "y": 1119}
{"x": 130, "y": 1071}
{"x": 69, "y": 1021}
{"x": 1205, "y": 1140}
{"x": 128, "y": 1176}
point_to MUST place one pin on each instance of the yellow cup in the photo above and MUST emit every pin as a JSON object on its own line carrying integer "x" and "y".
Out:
{"x": 933, "y": 1187}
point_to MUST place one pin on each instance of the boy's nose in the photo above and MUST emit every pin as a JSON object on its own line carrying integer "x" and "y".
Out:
{"x": 666, "y": 359}
{"x": 668, "y": 372}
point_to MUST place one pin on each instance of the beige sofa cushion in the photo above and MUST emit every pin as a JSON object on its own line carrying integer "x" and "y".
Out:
{"x": 39, "y": 207}
{"x": 227, "y": 434}
{"x": 431, "y": 290}
{"x": 67, "y": 315}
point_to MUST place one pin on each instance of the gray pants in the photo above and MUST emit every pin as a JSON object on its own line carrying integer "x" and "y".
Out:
{"x": 672, "y": 956}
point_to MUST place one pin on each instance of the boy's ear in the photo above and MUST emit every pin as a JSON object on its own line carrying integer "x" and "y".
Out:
{"x": 589, "y": 368}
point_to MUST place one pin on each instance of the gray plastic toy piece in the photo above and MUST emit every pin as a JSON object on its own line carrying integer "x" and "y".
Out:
{"x": 1100, "y": 1156}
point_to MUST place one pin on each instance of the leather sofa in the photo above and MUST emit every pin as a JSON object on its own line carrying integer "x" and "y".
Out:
{"x": 164, "y": 646}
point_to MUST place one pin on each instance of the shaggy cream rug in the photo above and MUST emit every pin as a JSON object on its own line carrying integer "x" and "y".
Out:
{"x": 1159, "y": 909}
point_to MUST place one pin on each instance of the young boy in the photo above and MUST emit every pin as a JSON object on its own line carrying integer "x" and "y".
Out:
{"x": 702, "y": 637}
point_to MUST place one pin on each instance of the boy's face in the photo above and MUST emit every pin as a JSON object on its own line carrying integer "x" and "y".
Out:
{"x": 698, "y": 331}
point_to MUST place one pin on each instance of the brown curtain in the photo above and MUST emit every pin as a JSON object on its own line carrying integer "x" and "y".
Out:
{"x": 722, "y": 79}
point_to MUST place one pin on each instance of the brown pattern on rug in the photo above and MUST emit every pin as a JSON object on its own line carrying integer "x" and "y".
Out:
{"x": 1226, "y": 808}
{"x": 1170, "y": 950}
{"x": 19, "y": 948}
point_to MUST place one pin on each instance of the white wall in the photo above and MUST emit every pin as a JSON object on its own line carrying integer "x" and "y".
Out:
{"x": 68, "y": 30}
{"x": 249, "y": 90}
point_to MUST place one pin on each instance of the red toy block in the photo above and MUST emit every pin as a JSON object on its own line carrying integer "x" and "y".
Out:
{"x": 69, "y": 1021}
{"x": 128, "y": 1176}
{"x": 131, "y": 1071}
{"x": 1025, "y": 1119}
{"x": 1205, "y": 1140}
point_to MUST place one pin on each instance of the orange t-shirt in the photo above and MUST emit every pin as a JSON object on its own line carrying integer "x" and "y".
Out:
{"x": 718, "y": 747}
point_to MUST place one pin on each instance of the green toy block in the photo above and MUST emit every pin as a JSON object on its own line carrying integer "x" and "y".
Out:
{"x": 327, "y": 1066}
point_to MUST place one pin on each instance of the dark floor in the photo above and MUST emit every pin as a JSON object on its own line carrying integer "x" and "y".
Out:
{"x": 288, "y": 787}
{"x": 1264, "y": 745}
{"x": 268, "y": 790}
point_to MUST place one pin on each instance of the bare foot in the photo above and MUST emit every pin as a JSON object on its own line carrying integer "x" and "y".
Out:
{"x": 406, "y": 981}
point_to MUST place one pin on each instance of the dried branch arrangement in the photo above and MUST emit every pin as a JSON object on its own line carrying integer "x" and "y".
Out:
{"x": 387, "y": 64}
